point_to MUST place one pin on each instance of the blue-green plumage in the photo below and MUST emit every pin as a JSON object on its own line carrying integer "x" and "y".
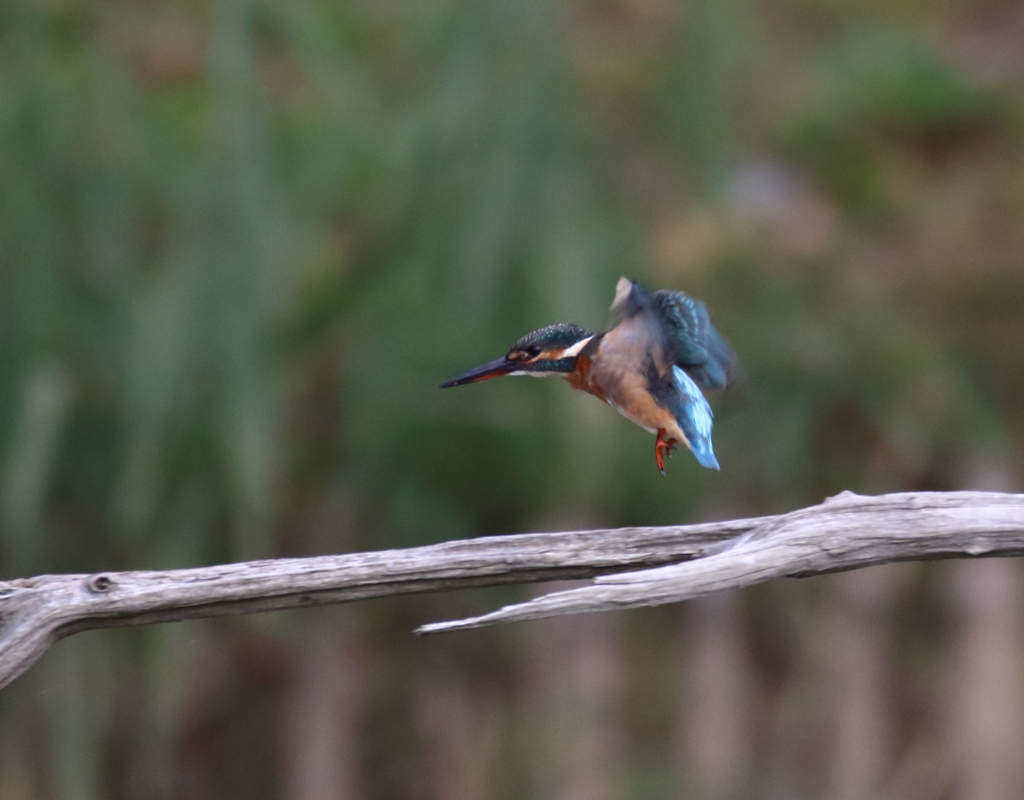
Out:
{"x": 699, "y": 348}
{"x": 689, "y": 339}
{"x": 561, "y": 334}
{"x": 651, "y": 367}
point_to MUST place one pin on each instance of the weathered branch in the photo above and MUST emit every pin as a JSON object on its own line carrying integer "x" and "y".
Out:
{"x": 846, "y": 532}
{"x": 35, "y": 612}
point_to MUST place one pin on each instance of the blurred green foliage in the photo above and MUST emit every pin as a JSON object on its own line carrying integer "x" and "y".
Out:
{"x": 242, "y": 242}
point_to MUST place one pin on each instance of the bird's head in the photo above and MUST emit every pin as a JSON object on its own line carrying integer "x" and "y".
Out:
{"x": 548, "y": 351}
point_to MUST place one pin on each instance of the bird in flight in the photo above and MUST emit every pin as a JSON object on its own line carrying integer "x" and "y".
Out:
{"x": 652, "y": 367}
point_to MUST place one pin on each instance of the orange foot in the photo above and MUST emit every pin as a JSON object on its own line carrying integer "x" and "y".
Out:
{"x": 663, "y": 447}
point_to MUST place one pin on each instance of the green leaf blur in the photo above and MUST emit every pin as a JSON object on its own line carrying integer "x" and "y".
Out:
{"x": 242, "y": 242}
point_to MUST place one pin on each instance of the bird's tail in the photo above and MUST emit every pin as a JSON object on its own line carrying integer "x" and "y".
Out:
{"x": 695, "y": 419}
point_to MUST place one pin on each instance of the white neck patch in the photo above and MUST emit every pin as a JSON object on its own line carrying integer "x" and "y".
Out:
{"x": 576, "y": 348}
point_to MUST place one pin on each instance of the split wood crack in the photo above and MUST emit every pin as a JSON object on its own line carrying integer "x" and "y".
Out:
{"x": 631, "y": 567}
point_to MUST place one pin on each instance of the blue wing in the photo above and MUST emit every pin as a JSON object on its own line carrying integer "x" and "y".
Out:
{"x": 695, "y": 344}
{"x": 682, "y": 333}
{"x": 686, "y": 353}
{"x": 695, "y": 418}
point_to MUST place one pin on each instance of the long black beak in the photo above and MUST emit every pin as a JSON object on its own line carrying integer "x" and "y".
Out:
{"x": 492, "y": 369}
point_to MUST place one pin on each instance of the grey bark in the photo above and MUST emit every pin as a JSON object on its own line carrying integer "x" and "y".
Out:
{"x": 845, "y": 532}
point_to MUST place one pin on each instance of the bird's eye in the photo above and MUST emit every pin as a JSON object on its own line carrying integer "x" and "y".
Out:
{"x": 533, "y": 351}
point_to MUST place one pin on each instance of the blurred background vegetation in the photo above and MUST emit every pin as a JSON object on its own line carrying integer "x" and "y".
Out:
{"x": 242, "y": 241}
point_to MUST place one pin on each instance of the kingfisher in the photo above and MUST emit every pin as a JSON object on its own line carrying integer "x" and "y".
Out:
{"x": 652, "y": 367}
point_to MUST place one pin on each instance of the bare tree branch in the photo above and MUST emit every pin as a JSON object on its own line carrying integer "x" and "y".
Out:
{"x": 845, "y": 532}
{"x": 35, "y": 612}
